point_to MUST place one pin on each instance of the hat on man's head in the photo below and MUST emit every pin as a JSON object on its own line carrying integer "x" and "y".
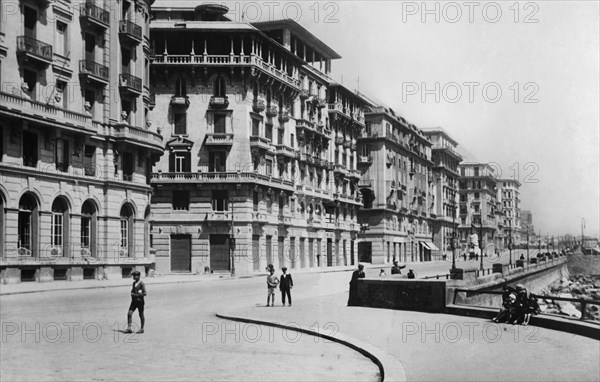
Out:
{"x": 135, "y": 273}
{"x": 395, "y": 262}
{"x": 360, "y": 266}
{"x": 284, "y": 268}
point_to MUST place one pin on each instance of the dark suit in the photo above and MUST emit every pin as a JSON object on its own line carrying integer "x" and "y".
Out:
{"x": 396, "y": 269}
{"x": 285, "y": 285}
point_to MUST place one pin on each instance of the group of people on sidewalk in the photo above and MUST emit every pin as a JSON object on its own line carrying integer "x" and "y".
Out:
{"x": 517, "y": 306}
{"x": 285, "y": 283}
{"x": 397, "y": 270}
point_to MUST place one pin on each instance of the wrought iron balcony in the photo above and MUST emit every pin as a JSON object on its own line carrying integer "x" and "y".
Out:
{"x": 93, "y": 72}
{"x": 285, "y": 151}
{"x": 284, "y": 115}
{"x": 35, "y": 50}
{"x": 130, "y": 31}
{"x": 180, "y": 101}
{"x": 130, "y": 83}
{"x": 94, "y": 15}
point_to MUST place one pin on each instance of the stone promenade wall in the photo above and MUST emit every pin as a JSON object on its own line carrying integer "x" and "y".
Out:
{"x": 414, "y": 294}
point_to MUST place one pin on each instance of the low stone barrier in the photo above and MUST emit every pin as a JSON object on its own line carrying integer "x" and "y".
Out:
{"x": 403, "y": 294}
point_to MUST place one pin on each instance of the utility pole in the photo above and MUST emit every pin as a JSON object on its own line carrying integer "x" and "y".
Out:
{"x": 481, "y": 242}
{"x": 510, "y": 242}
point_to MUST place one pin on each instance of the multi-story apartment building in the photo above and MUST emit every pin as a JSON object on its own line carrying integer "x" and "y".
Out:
{"x": 478, "y": 208}
{"x": 260, "y": 165}
{"x": 397, "y": 189}
{"x": 510, "y": 200}
{"x": 445, "y": 197}
{"x": 76, "y": 148}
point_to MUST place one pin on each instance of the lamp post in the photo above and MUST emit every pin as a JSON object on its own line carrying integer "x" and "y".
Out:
{"x": 232, "y": 242}
{"x": 539, "y": 241}
{"x": 481, "y": 243}
{"x": 510, "y": 242}
{"x": 528, "y": 245}
{"x": 453, "y": 240}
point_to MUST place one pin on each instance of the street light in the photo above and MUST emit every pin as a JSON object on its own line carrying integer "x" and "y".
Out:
{"x": 453, "y": 242}
{"x": 510, "y": 242}
{"x": 527, "y": 245}
{"x": 481, "y": 242}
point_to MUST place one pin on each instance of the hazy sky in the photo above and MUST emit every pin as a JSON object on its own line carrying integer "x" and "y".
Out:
{"x": 515, "y": 83}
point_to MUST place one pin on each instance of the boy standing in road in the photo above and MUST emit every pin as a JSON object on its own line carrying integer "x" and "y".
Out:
{"x": 285, "y": 286}
{"x": 272, "y": 282}
{"x": 138, "y": 291}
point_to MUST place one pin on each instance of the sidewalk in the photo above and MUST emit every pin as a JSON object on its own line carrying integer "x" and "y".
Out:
{"x": 419, "y": 346}
{"x": 34, "y": 287}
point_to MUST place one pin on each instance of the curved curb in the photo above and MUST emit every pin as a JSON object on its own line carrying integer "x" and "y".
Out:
{"x": 390, "y": 369}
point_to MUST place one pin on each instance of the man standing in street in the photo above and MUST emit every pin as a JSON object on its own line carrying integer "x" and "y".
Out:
{"x": 285, "y": 285}
{"x": 272, "y": 282}
{"x": 396, "y": 268}
{"x": 357, "y": 274}
{"x": 138, "y": 291}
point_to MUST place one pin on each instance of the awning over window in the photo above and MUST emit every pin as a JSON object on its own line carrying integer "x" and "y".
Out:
{"x": 429, "y": 245}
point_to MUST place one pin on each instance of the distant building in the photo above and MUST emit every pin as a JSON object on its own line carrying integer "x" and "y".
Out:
{"x": 527, "y": 227}
{"x": 397, "y": 189}
{"x": 478, "y": 207}
{"x": 446, "y": 160}
{"x": 510, "y": 201}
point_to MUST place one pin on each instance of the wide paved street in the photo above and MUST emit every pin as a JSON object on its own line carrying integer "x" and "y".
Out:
{"x": 74, "y": 335}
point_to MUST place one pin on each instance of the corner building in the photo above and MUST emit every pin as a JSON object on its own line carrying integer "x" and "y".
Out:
{"x": 260, "y": 146}
{"x": 76, "y": 147}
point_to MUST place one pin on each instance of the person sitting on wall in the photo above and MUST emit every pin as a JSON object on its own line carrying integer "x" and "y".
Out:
{"x": 411, "y": 274}
{"x": 518, "y": 309}
{"x": 532, "y": 308}
{"x": 508, "y": 296}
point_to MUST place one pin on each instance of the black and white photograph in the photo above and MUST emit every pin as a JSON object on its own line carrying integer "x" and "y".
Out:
{"x": 310, "y": 190}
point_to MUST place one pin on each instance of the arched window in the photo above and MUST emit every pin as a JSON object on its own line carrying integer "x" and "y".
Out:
{"x": 28, "y": 225}
{"x": 220, "y": 89}
{"x": 59, "y": 227}
{"x": 89, "y": 218}
{"x": 126, "y": 231}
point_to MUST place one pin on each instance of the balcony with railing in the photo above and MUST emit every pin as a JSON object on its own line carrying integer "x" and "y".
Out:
{"x": 219, "y": 139}
{"x": 223, "y": 177}
{"x": 218, "y": 102}
{"x": 365, "y": 183}
{"x": 356, "y": 174}
{"x": 258, "y": 142}
{"x": 365, "y": 159}
{"x": 285, "y": 151}
{"x": 92, "y": 72}
{"x": 236, "y": 60}
{"x": 130, "y": 31}
{"x": 303, "y": 124}
{"x": 340, "y": 169}
{"x": 44, "y": 111}
{"x": 94, "y": 15}
{"x": 34, "y": 50}
{"x": 219, "y": 216}
{"x": 135, "y": 135}
{"x": 284, "y": 115}
{"x": 130, "y": 84}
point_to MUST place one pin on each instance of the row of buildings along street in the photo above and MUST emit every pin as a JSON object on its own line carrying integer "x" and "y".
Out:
{"x": 193, "y": 142}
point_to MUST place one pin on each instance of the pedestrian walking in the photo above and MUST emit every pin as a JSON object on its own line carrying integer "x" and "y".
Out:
{"x": 411, "y": 274}
{"x": 285, "y": 286}
{"x": 357, "y": 274}
{"x": 396, "y": 269}
{"x": 138, "y": 292}
{"x": 272, "y": 282}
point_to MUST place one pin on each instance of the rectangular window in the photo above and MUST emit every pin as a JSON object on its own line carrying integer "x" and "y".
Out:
{"x": 269, "y": 167}
{"x": 128, "y": 166}
{"x": 127, "y": 109}
{"x": 255, "y": 127}
{"x": 219, "y": 123}
{"x": 90, "y": 47}
{"x": 61, "y": 45}
{"x": 61, "y": 97}
{"x": 292, "y": 141}
{"x": 280, "y": 136}
{"x": 180, "y": 162}
{"x": 181, "y": 200}
{"x": 220, "y": 200}
{"x": 255, "y": 201}
{"x": 90, "y": 101}
{"x": 180, "y": 122}
{"x": 61, "y": 154}
{"x": 269, "y": 131}
{"x": 30, "y": 149}
{"x": 89, "y": 160}
{"x": 217, "y": 161}
{"x": 30, "y": 18}
{"x": 30, "y": 78}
